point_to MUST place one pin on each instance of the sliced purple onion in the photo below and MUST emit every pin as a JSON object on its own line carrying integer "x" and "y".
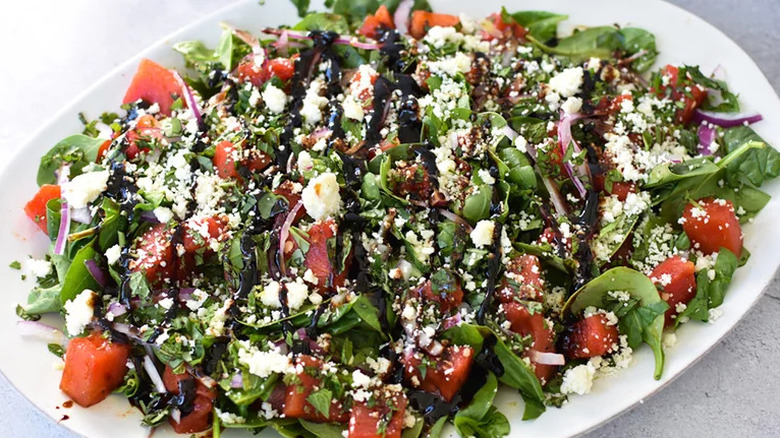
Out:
{"x": 321, "y": 133}
{"x": 707, "y": 135}
{"x": 455, "y": 218}
{"x": 237, "y": 381}
{"x": 510, "y": 133}
{"x": 304, "y": 337}
{"x": 565, "y": 139}
{"x": 42, "y": 331}
{"x": 452, "y": 321}
{"x": 117, "y": 309}
{"x": 189, "y": 98}
{"x": 100, "y": 276}
{"x": 63, "y": 173}
{"x": 62, "y": 234}
{"x": 149, "y": 216}
{"x": 154, "y": 375}
{"x": 246, "y": 37}
{"x": 401, "y": 16}
{"x": 81, "y": 215}
{"x": 555, "y": 196}
{"x": 545, "y": 358}
{"x": 354, "y": 42}
{"x": 285, "y": 233}
{"x": 726, "y": 120}
{"x": 345, "y": 39}
{"x": 129, "y": 331}
{"x": 185, "y": 293}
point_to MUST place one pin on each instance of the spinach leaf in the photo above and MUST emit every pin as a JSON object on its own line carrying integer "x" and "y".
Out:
{"x": 493, "y": 425}
{"x": 534, "y": 130}
{"x": 109, "y": 227}
{"x": 78, "y": 277}
{"x": 518, "y": 375}
{"x": 322, "y": 430}
{"x": 367, "y": 312}
{"x": 649, "y": 321}
{"x": 77, "y": 150}
{"x": 323, "y": 21}
{"x": 728, "y": 100}
{"x": 710, "y": 291}
{"x": 480, "y": 405}
{"x": 541, "y": 25}
{"x": 414, "y": 431}
{"x": 599, "y": 42}
{"x": 672, "y": 172}
{"x": 636, "y": 40}
{"x": 44, "y": 300}
{"x": 754, "y": 166}
{"x": 477, "y": 204}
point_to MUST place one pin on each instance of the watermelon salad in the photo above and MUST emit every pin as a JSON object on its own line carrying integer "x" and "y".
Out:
{"x": 366, "y": 223}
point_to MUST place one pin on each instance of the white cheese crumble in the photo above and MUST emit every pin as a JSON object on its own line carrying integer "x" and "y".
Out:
{"x": 321, "y": 196}
{"x": 263, "y": 363}
{"x": 482, "y": 234}
{"x": 38, "y": 268}
{"x": 352, "y": 109}
{"x": 269, "y": 295}
{"x": 438, "y": 36}
{"x": 578, "y": 380}
{"x": 360, "y": 380}
{"x": 113, "y": 254}
{"x": 85, "y": 188}
{"x": 163, "y": 214}
{"x": 274, "y": 99}
{"x": 572, "y": 105}
{"x": 313, "y": 103}
{"x": 79, "y": 312}
{"x": 567, "y": 83}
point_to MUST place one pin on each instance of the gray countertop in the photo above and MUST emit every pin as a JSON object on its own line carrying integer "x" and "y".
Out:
{"x": 732, "y": 391}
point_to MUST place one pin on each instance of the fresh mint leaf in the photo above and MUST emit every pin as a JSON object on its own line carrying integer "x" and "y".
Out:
{"x": 77, "y": 151}
{"x": 56, "y": 349}
{"x": 15, "y": 265}
{"x": 22, "y": 313}
{"x": 321, "y": 400}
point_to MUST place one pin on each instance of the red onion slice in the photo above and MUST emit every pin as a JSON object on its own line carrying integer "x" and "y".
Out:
{"x": 706, "y": 137}
{"x": 726, "y": 120}
{"x": 344, "y": 39}
{"x": 285, "y": 233}
{"x": 565, "y": 140}
{"x": 401, "y": 16}
{"x": 189, "y": 98}
{"x": 154, "y": 375}
{"x": 455, "y": 218}
{"x": 62, "y": 234}
{"x": 544, "y": 358}
{"x": 237, "y": 381}
{"x": 117, "y": 309}
{"x": 100, "y": 276}
{"x": 42, "y": 331}
{"x": 509, "y": 133}
{"x": 149, "y": 216}
{"x": 555, "y": 196}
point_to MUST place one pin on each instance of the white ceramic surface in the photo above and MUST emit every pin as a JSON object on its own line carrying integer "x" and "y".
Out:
{"x": 682, "y": 38}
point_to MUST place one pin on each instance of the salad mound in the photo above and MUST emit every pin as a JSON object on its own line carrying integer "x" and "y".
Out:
{"x": 364, "y": 224}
